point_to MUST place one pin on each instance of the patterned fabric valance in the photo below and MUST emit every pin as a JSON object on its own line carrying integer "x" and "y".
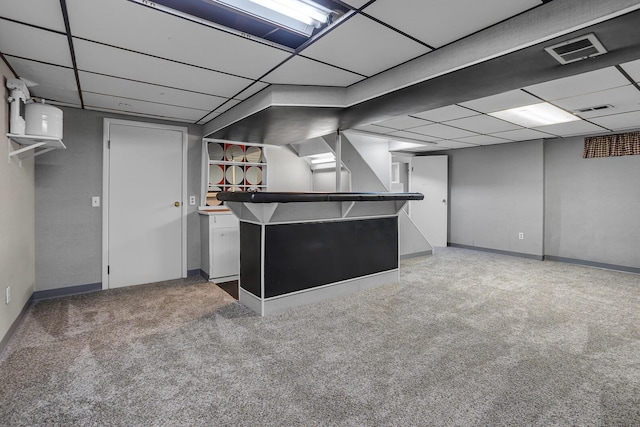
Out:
{"x": 619, "y": 144}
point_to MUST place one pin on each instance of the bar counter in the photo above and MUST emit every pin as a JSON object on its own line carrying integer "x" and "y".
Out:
{"x": 300, "y": 248}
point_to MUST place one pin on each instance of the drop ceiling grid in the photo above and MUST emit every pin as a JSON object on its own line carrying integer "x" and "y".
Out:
{"x": 171, "y": 37}
{"x": 439, "y": 22}
{"x": 581, "y": 84}
{"x": 34, "y": 43}
{"x": 59, "y": 82}
{"x": 42, "y": 13}
{"x": 114, "y": 86}
{"x": 300, "y": 70}
{"x": 364, "y": 46}
{"x": 108, "y": 60}
{"x": 633, "y": 69}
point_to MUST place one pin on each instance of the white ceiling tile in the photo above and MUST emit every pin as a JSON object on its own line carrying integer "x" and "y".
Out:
{"x": 571, "y": 128}
{"x": 113, "y": 86}
{"x": 502, "y": 101}
{"x": 208, "y": 118}
{"x": 619, "y": 121}
{"x": 356, "y": 4}
{"x": 364, "y": 46}
{"x": 303, "y": 71}
{"x": 633, "y": 69}
{"x": 483, "y": 140}
{"x": 621, "y": 96}
{"x": 413, "y": 135}
{"x": 53, "y": 83}
{"x": 441, "y": 131}
{"x": 227, "y": 105}
{"x": 402, "y": 123}
{"x": 454, "y": 144}
{"x": 147, "y": 30}
{"x": 593, "y": 81}
{"x": 522, "y": 135}
{"x": 443, "y": 114}
{"x": 43, "y": 13}
{"x": 438, "y": 22}
{"x": 108, "y": 60}
{"x": 375, "y": 129}
{"x": 424, "y": 149}
{"x": 482, "y": 124}
{"x": 126, "y": 106}
{"x": 617, "y": 109}
{"x": 33, "y": 43}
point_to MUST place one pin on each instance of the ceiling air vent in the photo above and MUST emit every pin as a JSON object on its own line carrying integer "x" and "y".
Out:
{"x": 578, "y": 49}
{"x": 596, "y": 108}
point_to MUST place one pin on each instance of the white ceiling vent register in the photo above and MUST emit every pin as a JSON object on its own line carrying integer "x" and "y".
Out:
{"x": 573, "y": 50}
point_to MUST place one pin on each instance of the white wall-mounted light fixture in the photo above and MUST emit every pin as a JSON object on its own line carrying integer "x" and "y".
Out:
{"x": 541, "y": 114}
{"x": 306, "y": 12}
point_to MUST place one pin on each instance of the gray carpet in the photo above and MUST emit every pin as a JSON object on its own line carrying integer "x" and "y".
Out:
{"x": 465, "y": 338}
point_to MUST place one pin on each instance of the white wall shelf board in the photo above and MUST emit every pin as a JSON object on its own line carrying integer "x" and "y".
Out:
{"x": 31, "y": 143}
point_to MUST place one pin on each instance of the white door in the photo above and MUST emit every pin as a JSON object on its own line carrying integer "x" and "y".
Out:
{"x": 143, "y": 204}
{"x": 429, "y": 176}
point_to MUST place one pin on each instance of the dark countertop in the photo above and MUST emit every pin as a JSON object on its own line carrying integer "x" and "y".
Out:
{"x": 286, "y": 197}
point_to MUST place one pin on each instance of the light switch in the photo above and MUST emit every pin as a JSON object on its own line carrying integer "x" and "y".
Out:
{"x": 95, "y": 201}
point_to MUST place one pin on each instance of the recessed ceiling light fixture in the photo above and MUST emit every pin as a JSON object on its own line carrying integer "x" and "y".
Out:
{"x": 306, "y": 12}
{"x": 541, "y": 114}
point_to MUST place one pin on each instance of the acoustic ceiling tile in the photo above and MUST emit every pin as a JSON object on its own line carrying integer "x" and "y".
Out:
{"x": 364, "y": 46}
{"x": 620, "y": 96}
{"x": 151, "y": 109}
{"x": 42, "y": 13}
{"x": 251, "y": 90}
{"x": 34, "y": 44}
{"x": 438, "y": 22}
{"x": 502, "y": 101}
{"x": 483, "y": 140}
{"x": 593, "y": 81}
{"x": 444, "y": 114}
{"x": 413, "y": 135}
{"x": 170, "y": 37}
{"x": 618, "y": 122}
{"x": 482, "y": 124}
{"x": 403, "y": 123}
{"x": 450, "y": 144}
{"x": 113, "y": 86}
{"x": 108, "y": 60}
{"x": 522, "y": 135}
{"x": 571, "y": 128}
{"x": 375, "y": 129}
{"x": 356, "y": 4}
{"x": 303, "y": 71}
{"x": 53, "y": 83}
{"x": 441, "y": 131}
{"x": 633, "y": 69}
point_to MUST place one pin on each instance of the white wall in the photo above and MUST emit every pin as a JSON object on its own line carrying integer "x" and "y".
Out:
{"x": 286, "y": 171}
{"x": 17, "y": 247}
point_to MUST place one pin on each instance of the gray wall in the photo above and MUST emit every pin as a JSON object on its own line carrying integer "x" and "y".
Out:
{"x": 496, "y": 192}
{"x": 592, "y": 205}
{"x": 68, "y": 230}
{"x": 17, "y": 253}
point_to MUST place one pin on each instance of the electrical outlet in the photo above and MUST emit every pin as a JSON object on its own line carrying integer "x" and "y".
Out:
{"x": 192, "y": 200}
{"x": 95, "y": 201}
{"x": 8, "y": 294}
{"x": 521, "y": 236}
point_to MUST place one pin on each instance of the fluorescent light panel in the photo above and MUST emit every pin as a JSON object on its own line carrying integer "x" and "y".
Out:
{"x": 307, "y": 13}
{"x": 534, "y": 115}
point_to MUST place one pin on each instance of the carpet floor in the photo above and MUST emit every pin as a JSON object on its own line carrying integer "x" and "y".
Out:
{"x": 465, "y": 338}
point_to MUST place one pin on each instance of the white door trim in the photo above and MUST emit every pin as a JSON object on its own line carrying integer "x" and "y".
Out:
{"x": 105, "y": 189}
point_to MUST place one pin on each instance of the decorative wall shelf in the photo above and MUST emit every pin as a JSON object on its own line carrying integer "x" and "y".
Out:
{"x": 31, "y": 143}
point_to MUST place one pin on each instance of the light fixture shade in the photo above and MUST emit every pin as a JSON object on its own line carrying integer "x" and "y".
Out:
{"x": 541, "y": 114}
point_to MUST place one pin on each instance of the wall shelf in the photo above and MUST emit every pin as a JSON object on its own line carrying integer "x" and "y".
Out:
{"x": 31, "y": 143}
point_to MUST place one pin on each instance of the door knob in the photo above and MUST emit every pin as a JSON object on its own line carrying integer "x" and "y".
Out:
{"x": 176, "y": 204}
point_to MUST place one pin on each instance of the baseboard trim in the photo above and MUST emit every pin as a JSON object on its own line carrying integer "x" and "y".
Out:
{"x": 195, "y": 272}
{"x": 593, "y": 264}
{"x": 14, "y": 326}
{"x": 497, "y": 251}
{"x": 415, "y": 255}
{"x": 203, "y": 274}
{"x": 63, "y": 292}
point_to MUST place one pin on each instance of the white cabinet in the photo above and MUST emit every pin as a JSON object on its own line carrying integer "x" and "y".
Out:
{"x": 220, "y": 246}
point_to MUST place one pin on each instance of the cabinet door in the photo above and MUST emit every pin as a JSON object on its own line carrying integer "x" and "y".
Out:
{"x": 225, "y": 252}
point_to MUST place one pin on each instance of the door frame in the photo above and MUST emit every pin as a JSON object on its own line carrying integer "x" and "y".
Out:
{"x": 105, "y": 189}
